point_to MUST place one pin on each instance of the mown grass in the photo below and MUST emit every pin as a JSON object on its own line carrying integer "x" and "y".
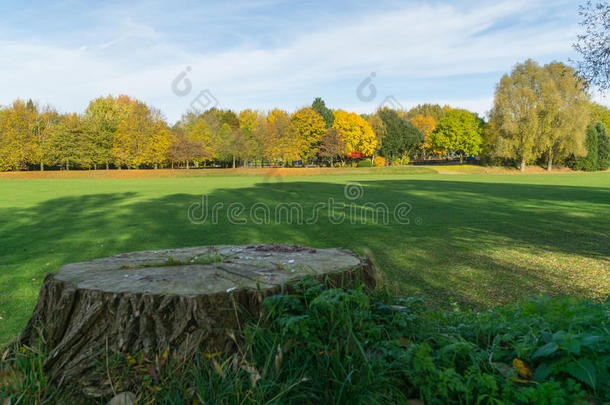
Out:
{"x": 473, "y": 240}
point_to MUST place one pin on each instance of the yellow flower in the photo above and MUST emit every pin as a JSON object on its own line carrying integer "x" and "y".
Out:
{"x": 523, "y": 371}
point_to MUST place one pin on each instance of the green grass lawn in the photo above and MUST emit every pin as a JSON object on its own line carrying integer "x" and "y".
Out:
{"x": 473, "y": 239}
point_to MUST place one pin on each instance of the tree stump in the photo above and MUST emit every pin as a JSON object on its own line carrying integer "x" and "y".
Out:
{"x": 182, "y": 299}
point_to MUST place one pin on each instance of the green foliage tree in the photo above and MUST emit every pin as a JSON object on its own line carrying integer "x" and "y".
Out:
{"x": 401, "y": 139}
{"x": 230, "y": 118}
{"x": 64, "y": 145}
{"x": 603, "y": 147}
{"x": 589, "y": 162}
{"x": 319, "y": 106}
{"x": 232, "y": 144}
{"x": 459, "y": 131}
{"x": 379, "y": 129}
{"x": 537, "y": 113}
{"x": 102, "y": 118}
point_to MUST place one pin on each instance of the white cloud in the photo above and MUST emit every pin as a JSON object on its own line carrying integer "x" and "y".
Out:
{"x": 416, "y": 42}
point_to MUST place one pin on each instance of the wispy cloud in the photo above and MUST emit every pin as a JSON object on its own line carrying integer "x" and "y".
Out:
{"x": 405, "y": 46}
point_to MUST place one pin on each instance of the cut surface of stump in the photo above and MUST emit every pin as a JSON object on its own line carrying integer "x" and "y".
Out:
{"x": 178, "y": 299}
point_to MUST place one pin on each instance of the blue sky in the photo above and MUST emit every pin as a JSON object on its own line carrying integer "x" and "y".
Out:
{"x": 272, "y": 53}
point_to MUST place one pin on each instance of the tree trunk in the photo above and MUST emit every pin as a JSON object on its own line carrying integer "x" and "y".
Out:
{"x": 41, "y": 166}
{"x": 522, "y": 168}
{"x": 233, "y": 161}
{"x": 107, "y": 165}
{"x": 461, "y": 158}
{"x": 549, "y": 163}
{"x": 187, "y": 164}
{"x": 134, "y": 303}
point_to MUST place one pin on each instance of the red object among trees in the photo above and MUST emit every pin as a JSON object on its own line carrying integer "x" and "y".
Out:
{"x": 355, "y": 155}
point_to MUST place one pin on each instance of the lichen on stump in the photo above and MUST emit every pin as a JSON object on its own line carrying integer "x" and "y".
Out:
{"x": 181, "y": 299}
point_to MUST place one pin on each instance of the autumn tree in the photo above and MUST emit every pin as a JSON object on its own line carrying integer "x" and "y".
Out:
{"x": 378, "y": 127}
{"x": 17, "y": 139}
{"x": 161, "y": 141}
{"x": 232, "y": 144}
{"x": 355, "y": 132}
{"x": 183, "y": 149}
{"x": 200, "y": 139}
{"x": 282, "y": 139}
{"x": 539, "y": 111}
{"x": 564, "y": 112}
{"x": 435, "y": 111}
{"x": 64, "y": 145}
{"x": 332, "y": 146}
{"x": 141, "y": 138}
{"x": 514, "y": 118}
{"x": 402, "y": 138}
{"x": 102, "y": 118}
{"x": 41, "y": 121}
{"x": 459, "y": 131}
{"x": 309, "y": 127}
{"x": 425, "y": 124}
{"x": 252, "y": 126}
{"x": 319, "y": 106}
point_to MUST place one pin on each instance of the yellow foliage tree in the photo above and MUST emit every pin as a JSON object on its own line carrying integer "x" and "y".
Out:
{"x": 426, "y": 124}
{"x": 310, "y": 127}
{"x": 282, "y": 138}
{"x": 251, "y": 126}
{"x": 356, "y": 132}
{"x": 197, "y": 131}
{"x": 141, "y": 138}
{"x": 17, "y": 140}
{"x": 378, "y": 127}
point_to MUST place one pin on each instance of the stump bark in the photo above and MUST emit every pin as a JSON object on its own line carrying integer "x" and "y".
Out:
{"x": 182, "y": 299}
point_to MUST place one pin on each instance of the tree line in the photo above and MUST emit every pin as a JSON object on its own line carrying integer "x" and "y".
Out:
{"x": 540, "y": 114}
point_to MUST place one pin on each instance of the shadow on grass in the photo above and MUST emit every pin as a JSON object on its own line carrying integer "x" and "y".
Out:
{"x": 457, "y": 247}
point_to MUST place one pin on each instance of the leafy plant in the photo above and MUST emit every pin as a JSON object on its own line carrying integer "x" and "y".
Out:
{"x": 330, "y": 346}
